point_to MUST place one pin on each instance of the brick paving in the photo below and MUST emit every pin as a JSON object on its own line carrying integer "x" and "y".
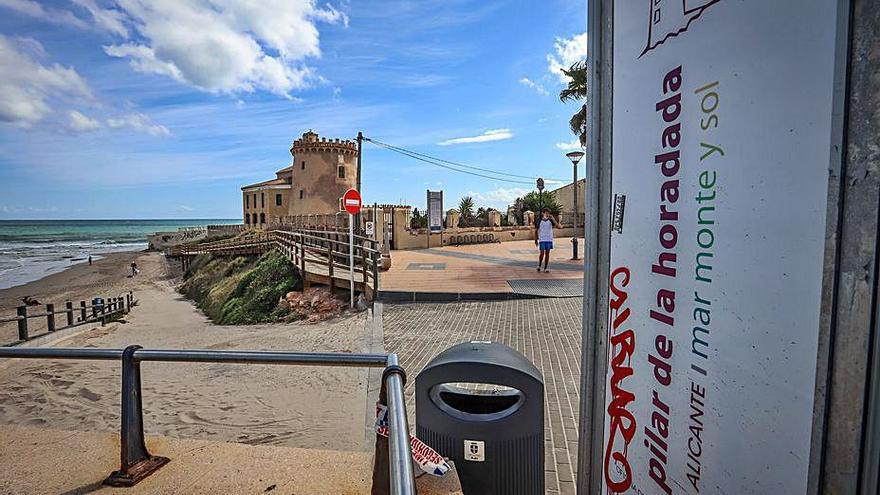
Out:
{"x": 546, "y": 331}
{"x": 476, "y": 268}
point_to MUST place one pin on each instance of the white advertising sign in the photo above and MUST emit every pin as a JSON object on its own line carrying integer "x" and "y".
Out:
{"x": 435, "y": 211}
{"x": 721, "y": 147}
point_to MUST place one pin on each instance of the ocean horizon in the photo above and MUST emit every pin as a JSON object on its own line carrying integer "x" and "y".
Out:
{"x": 33, "y": 249}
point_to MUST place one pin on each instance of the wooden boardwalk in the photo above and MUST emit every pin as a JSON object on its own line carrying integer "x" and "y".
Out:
{"x": 321, "y": 257}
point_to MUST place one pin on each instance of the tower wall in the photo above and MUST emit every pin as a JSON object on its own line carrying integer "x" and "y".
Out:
{"x": 317, "y": 185}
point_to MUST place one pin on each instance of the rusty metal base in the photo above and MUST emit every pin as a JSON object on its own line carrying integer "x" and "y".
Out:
{"x": 137, "y": 472}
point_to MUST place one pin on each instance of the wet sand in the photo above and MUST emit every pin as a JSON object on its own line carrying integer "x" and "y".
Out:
{"x": 253, "y": 404}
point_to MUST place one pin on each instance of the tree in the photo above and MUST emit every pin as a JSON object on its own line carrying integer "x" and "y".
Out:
{"x": 534, "y": 201}
{"x": 577, "y": 91}
{"x": 466, "y": 210}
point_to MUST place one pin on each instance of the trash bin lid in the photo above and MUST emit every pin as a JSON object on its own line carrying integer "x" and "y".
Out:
{"x": 486, "y": 353}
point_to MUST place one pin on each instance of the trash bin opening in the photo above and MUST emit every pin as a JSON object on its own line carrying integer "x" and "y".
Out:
{"x": 476, "y": 401}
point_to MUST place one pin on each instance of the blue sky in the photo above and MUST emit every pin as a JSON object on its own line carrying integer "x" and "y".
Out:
{"x": 164, "y": 108}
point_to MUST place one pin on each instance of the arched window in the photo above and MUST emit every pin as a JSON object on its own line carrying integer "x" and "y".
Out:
{"x": 341, "y": 172}
{"x": 247, "y": 218}
{"x": 254, "y": 218}
{"x": 300, "y": 194}
{"x": 262, "y": 218}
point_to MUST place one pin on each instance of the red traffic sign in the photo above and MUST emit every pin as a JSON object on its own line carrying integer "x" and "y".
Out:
{"x": 351, "y": 201}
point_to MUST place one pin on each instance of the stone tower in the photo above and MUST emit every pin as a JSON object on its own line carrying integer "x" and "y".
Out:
{"x": 322, "y": 171}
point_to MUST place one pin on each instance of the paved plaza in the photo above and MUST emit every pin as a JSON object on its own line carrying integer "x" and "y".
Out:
{"x": 496, "y": 268}
{"x": 546, "y": 331}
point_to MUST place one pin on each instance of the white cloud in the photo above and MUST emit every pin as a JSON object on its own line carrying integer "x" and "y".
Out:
{"x": 81, "y": 123}
{"x": 568, "y": 51}
{"x": 28, "y": 88}
{"x": 37, "y": 11}
{"x": 536, "y": 86}
{"x": 185, "y": 208}
{"x": 225, "y": 46}
{"x": 139, "y": 122}
{"x": 499, "y": 198}
{"x": 490, "y": 135}
{"x": 109, "y": 19}
{"x": 574, "y": 144}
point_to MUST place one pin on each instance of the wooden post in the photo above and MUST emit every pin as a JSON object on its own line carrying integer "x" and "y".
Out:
{"x": 364, "y": 271}
{"x": 94, "y": 309}
{"x": 50, "y": 317}
{"x": 82, "y": 311}
{"x": 21, "y": 312}
{"x": 69, "y": 306}
{"x": 330, "y": 266}
{"x": 375, "y": 273}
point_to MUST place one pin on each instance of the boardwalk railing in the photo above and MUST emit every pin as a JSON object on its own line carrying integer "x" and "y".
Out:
{"x": 106, "y": 310}
{"x": 320, "y": 256}
{"x": 136, "y": 461}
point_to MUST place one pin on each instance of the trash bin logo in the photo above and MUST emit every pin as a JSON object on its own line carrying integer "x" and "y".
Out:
{"x": 475, "y": 450}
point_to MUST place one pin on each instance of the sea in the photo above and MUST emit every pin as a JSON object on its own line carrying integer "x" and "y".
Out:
{"x": 33, "y": 249}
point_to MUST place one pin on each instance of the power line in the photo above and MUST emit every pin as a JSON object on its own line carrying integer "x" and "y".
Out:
{"x": 439, "y": 162}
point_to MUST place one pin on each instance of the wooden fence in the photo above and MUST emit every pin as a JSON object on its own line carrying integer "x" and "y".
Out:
{"x": 320, "y": 256}
{"x": 99, "y": 311}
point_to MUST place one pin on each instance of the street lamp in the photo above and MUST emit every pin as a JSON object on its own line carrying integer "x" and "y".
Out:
{"x": 575, "y": 157}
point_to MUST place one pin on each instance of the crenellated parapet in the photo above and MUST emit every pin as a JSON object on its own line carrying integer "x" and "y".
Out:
{"x": 310, "y": 142}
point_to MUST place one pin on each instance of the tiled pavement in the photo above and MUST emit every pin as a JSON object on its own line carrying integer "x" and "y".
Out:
{"x": 476, "y": 268}
{"x": 546, "y": 331}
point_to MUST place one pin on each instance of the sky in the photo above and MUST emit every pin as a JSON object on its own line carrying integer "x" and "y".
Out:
{"x": 165, "y": 108}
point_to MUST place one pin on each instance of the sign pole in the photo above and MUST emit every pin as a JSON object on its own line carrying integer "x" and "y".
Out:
{"x": 351, "y": 202}
{"x": 351, "y": 257}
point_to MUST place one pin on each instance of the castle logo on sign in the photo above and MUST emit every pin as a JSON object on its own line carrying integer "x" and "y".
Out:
{"x": 669, "y": 18}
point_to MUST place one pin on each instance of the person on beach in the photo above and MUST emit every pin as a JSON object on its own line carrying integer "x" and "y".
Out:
{"x": 134, "y": 269}
{"x": 544, "y": 237}
{"x": 90, "y": 260}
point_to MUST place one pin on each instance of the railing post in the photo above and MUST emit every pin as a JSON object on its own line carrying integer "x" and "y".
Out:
{"x": 330, "y": 266}
{"x": 136, "y": 461}
{"x": 69, "y": 306}
{"x": 375, "y": 257}
{"x": 21, "y": 312}
{"x": 82, "y": 311}
{"x": 50, "y": 317}
{"x": 392, "y": 461}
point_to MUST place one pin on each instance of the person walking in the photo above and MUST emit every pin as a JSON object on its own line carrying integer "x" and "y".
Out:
{"x": 544, "y": 237}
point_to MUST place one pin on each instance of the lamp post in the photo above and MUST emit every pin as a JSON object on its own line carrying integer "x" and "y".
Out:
{"x": 575, "y": 157}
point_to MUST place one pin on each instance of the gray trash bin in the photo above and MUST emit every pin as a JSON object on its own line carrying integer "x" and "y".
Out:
{"x": 482, "y": 405}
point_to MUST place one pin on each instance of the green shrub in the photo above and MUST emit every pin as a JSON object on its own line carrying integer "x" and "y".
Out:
{"x": 241, "y": 290}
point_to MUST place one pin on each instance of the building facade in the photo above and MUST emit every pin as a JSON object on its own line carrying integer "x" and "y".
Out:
{"x": 321, "y": 171}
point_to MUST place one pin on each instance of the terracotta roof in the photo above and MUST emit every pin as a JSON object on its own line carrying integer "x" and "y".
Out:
{"x": 273, "y": 182}
{"x": 285, "y": 169}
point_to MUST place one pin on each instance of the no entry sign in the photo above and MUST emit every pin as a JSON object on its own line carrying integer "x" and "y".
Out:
{"x": 351, "y": 201}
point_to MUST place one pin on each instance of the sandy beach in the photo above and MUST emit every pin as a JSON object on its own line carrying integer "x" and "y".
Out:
{"x": 290, "y": 406}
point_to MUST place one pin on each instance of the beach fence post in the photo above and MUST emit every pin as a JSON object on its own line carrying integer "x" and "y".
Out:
{"x": 21, "y": 312}
{"x": 82, "y": 311}
{"x": 69, "y": 307}
{"x": 136, "y": 461}
{"x": 50, "y": 317}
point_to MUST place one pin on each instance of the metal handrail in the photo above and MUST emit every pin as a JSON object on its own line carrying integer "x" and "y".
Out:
{"x": 137, "y": 463}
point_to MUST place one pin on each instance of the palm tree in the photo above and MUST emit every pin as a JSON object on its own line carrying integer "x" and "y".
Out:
{"x": 577, "y": 91}
{"x": 466, "y": 210}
